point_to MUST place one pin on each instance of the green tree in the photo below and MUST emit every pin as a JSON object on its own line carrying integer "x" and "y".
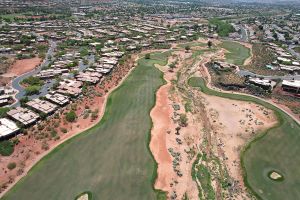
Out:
{"x": 23, "y": 101}
{"x": 209, "y": 44}
{"x": 187, "y": 48}
{"x": 71, "y": 116}
{"x": 3, "y": 112}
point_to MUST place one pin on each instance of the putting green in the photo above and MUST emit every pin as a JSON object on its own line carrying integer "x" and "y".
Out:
{"x": 112, "y": 159}
{"x": 277, "y": 148}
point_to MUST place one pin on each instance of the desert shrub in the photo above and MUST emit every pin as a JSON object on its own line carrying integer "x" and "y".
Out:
{"x": 53, "y": 133}
{"x": 94, "y": 116}
{"x": 56, "y": 124}
{"x": 86, "y": 115}
{"x": 64, "y": 130}
{"x": 11, "y": 165}
{"x": 187, "y": 48}
{"x": 183, "y": 120}
{"x": 15, "y": 141}
{"x": 40, "y": 127}
{"x": 74, "y": 107}
{"x": 45, "y": 146}
{"x": 57, "y": 137}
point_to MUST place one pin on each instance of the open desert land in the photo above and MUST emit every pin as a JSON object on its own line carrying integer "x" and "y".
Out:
{"x": 206, "y": 152}
{"x": 17, "y": 68}
{"x": 20, "y": 67}
{"x": 268, "y": 152}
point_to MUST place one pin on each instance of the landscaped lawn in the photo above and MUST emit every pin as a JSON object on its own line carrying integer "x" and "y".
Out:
{"x": 111, "y": 160}
{"x": 277, "y": 149}
{"x": 237, "y": 53}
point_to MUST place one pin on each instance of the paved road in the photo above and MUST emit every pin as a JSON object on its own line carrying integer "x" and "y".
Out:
{"x": 49, "y": 83}
{"x": 16, "y": 82}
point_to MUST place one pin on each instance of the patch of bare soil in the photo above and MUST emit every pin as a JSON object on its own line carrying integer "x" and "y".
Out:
{"x": 20, "y": 67}
{"x": 235, "y": 123}
{"x": 162, "y": 124}
{"x": 171, "y": 143}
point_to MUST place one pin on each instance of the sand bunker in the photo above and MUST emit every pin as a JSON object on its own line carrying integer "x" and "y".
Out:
{"x": 275, "y": 176}
{"x": 83, "y": 197}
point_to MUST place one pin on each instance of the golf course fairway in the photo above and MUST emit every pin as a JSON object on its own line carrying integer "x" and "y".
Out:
{"x": 277, "y": 149}
{"x": 110, "y": 160}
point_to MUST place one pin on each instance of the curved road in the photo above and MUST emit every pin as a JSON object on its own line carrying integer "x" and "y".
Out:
{"x": 16, "y": 82}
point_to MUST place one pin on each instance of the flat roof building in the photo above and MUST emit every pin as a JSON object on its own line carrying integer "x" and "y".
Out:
{"x": 7, "y": 128}
{"x": 263, "y": 83}
{"x": 57, "y": 98}
{"x": 42, "y": 106}
{"x": 70, "y": 87}
{"x": 92, "y": 77}
{"x": 23, "y": 115}
{"x": 291, "y": 86}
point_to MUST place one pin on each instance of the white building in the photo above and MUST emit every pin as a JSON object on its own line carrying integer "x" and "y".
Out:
{"x": 7, "y": 128}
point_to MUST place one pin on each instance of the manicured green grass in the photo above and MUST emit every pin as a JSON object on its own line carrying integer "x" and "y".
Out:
{"x": 237, "y": 52}
{"x": 277, "y": 149}
{"x": 112, "y": 160}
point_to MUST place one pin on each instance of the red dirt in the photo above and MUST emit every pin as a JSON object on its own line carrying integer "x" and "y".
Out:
{"x": 161, "y": 117}
{"x": 22, "y": 66}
